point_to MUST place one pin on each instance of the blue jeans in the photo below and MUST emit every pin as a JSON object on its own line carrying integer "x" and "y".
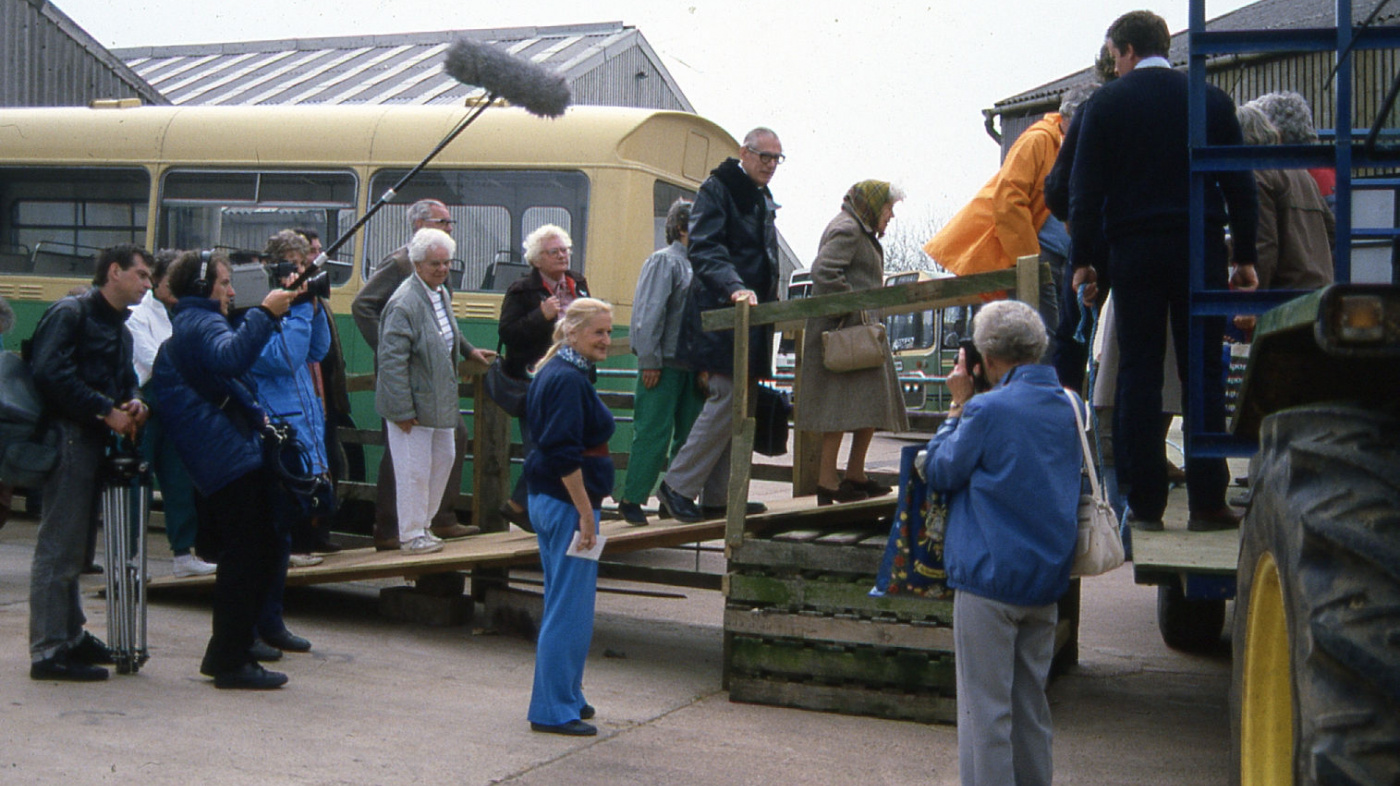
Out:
{"x": 570, "y": 587}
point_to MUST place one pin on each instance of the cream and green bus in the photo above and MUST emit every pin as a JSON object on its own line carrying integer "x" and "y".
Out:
{"x": 74, "y": 180}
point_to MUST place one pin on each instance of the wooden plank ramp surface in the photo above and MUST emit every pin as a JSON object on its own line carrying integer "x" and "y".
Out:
{"x": 507, "y": 549}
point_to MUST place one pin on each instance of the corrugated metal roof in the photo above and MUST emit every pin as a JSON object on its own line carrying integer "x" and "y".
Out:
{"x": 48, "y": 60}
{"x": 1263, "y": 15}
{"x": 606, "y": 64}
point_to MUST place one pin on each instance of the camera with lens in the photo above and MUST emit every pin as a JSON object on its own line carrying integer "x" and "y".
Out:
{"x": 254, "y": 275}
{"x": 975, "y": 367}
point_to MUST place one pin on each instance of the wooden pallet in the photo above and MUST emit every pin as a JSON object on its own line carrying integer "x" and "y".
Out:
{"x": 801, "y": 629}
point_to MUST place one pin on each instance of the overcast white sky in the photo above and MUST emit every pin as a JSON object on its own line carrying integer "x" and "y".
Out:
{"x": 889, "y": 89}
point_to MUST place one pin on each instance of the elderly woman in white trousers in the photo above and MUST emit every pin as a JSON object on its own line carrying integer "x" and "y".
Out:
{"x": 416, "y": 387}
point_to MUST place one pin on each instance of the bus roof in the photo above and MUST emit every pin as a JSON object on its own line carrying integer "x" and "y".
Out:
{"x": 349, "y": 135}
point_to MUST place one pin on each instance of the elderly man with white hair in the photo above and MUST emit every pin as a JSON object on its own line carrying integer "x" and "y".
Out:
{"x": 416, "y": 388}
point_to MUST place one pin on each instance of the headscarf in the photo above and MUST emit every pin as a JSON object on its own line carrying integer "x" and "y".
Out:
{"x": 866, "y": 199}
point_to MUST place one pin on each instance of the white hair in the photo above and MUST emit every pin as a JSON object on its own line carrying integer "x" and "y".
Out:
{"x": 534, "y": 241}
{"x": 425, "y": 239}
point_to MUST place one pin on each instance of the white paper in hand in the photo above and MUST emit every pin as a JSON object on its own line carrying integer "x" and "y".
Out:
{"x": 593, "y": 553}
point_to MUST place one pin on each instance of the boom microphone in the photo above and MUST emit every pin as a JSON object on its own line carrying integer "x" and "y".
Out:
{"x": 521, "y": 82}
{"x": 528, "y": 85}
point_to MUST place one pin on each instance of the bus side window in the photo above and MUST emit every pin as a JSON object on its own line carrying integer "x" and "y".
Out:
{"x": 493, "y": 210}
{"x": 55, "y": 219}
{"x": 242, "y": 209}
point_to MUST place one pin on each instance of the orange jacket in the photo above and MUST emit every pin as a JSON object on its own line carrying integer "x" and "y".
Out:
{"x": 1000, "y": 223}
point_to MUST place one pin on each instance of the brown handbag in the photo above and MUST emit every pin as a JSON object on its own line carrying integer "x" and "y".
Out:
{"x": 854, "y": 347}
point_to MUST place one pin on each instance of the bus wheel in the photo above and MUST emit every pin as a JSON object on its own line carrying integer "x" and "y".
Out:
{"x": 1315, "y": 694}
{"x": 1189, "y": 624}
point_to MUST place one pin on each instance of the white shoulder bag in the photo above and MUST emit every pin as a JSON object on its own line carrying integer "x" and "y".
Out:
{"x": 1100, "y": 547}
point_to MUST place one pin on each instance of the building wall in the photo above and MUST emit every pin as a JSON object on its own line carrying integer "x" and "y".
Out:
{"x": 629, "y": 79}
{"x": 46, "y": 60}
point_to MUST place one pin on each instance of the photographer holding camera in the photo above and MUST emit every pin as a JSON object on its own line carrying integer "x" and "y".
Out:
{"x": 202, "y": 385}
{"x": 287, "y": 392}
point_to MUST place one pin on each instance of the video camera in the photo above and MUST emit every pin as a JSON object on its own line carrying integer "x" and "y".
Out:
{"x": 254, "y": 275}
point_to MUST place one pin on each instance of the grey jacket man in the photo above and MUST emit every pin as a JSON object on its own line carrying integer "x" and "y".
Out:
{"x": 417, "y": 375}
{"x": 658, "y": 307}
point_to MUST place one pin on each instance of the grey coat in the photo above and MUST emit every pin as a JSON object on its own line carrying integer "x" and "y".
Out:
{"x": 848, "y": 259}
{"x": 658, "y": 307}
{"x": 417, "y": 376}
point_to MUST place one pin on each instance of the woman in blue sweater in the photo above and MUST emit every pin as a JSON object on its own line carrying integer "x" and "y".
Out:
{"x": 1008, "y": 462}
{"x": 568, "y": 474}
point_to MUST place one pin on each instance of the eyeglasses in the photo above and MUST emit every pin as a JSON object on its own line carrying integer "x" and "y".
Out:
{"x": 447, "y": 222}
{"x": 767, "y": 158}
{"x": 561, "y": 251}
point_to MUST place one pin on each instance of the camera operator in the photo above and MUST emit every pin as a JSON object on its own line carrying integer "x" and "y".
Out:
{"x": 202, "y": 385}
{"x": 287, "y": 392}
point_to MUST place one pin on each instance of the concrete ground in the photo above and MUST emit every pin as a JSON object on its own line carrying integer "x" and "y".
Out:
{"x": 384, "y": 702}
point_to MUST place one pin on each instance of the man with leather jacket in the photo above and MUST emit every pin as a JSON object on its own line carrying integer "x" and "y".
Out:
{"x": 734, "y": 254}
{"x": 81, "y": 355}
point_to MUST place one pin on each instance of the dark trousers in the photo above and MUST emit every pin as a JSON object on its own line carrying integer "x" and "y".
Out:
{"x": 1150, "y": 280}
{"x": 248, "y": 561}
{"x": 1070, "y": 357}
{"x": 386, "y": 506}
{"x": 285, "y": 516}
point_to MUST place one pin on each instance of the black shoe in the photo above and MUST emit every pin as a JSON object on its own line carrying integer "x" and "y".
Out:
{"x": 90, "y": 651}
{"x": 1146, "y": 525}
{"x": 632, "y": 513}
{"x": 250, "y": 676}
{"x": 720, "y": 511}
{"x": 93, "y": 570}
{"x": 520, "y": 518}
{"x": 287, "y": 641}
{"x": 678, "y": 507}
{"x": 61, "y": 668}
{"x": 846, "y": 491}
{"x": 871, "y": 487}
{"x": 587, "y": 712}
{"x": 263, "y": 652}
{"x": 573, "y": 728}
{"x": 1213, "y": 520}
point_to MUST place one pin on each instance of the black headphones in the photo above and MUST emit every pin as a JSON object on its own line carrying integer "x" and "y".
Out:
{"x": 203, "y": 286}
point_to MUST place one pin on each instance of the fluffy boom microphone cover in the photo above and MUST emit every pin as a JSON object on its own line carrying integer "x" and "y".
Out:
{"x": 525, "y": 84}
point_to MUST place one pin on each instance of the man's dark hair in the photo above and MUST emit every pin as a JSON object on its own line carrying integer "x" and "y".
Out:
{"x": 125, "y": 255}
{"x": 185, "y": 272}
{"x": 308, "y": 233}
{"x": 677, "y": 220}
{"x": 1144, "y": 31}
{"x": 164, "y": 258}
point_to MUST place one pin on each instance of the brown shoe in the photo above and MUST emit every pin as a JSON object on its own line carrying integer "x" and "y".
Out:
{"x": 455, "y": 531}
{"x": 1213, "y": 520}
{"x": 386, "y": 544}
{"x": 1176, "y": 476}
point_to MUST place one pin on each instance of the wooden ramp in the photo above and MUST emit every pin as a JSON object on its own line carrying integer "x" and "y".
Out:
{"x": 1160, "y": 557}
{"x": 506, "y": 549}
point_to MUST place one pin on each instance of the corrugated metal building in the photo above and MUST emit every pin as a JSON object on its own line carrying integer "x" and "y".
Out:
{"x": 606, "y": 64}
{"x": 1248, "y": 76}
{"x": 48, "y": 60}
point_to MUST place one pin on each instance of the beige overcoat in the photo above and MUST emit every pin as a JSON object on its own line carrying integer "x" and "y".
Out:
{"x": 849, "y": 259}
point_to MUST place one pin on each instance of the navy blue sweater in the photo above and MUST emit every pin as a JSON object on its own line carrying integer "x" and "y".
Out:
{"x": 1131, "y": 171}
{"x": 567, "y": 417}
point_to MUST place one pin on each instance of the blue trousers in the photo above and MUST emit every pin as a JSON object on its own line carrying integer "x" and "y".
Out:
{"x": 570, "y": 586}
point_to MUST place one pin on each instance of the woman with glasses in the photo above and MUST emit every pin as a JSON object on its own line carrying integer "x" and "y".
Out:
{"x": 529, "y": 311}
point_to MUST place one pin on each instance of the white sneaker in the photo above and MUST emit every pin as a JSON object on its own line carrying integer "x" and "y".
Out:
{"x": 303, "y": 560}
{"x": 430, "y": 536}
{"x": 186, "y": 565}
{"x": 421, "y": 545}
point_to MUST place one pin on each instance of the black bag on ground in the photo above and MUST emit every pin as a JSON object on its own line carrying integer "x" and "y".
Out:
{"x": 774, "y": 409}
{"x": 507, "y": 391}
{"x": 28, "y": 448}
